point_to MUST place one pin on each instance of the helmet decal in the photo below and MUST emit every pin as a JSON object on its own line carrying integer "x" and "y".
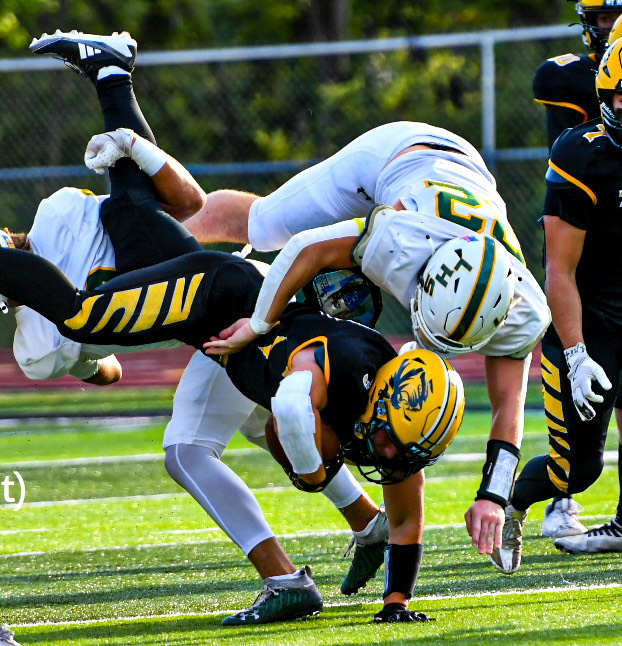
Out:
{"x": 417, "y": 399}
{"x": 479, "y": 291}
{"x": 401, "y": 397}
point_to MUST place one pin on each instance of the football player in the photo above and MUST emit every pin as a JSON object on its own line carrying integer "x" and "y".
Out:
{"x": 91, "y": 239}
{"x": 449, "y": 193}
{"x": 565, "y": 86}
{"x": 393, "y": 415}
{"x": 581, "y": 352}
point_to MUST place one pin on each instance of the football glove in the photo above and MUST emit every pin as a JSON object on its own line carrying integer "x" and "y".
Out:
{"x": 582, "y": 372}
{"x": 394, "y": 613}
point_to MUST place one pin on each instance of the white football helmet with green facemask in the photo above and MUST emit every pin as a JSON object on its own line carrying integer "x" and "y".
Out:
{"x": 464, "y": 295}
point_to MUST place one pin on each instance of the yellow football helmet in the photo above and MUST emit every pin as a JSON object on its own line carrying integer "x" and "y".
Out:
{"x": 616, "y": 31}
{"x": 608, "y": 83}
{"x": 418, "y": 399}
{"x": 593, "y": 36}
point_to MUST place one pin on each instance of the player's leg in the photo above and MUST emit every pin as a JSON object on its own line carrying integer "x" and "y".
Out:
{"x": 331, "y": 191}
{"x": 575, "y": 456}
{"x": 141, "y": 233}
{"x": 368, "y": 522}
{"x": 207, "y": 410}
{"x": 607, "y": 537}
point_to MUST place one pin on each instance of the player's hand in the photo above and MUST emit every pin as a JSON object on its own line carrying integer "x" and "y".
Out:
{"x": 394, "y": 613}
{"x": 484, "y": 521}
{"x": 231, "y": 339}
{"x": 583, "y": 371}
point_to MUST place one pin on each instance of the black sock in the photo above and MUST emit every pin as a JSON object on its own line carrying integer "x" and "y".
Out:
{"x": 533, "y": 484}
{"x": 619, "y": 509}
{"x": 120, "y": 107}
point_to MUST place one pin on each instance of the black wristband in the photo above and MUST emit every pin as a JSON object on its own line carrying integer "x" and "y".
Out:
{"x": 331, "y": 469}
{"x": 401, "y": 568}
{"x": 499, "y": 472}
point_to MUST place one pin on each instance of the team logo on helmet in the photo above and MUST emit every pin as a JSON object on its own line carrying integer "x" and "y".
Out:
{"x": 417, "y": 398}
{"x": 464, "y": 295}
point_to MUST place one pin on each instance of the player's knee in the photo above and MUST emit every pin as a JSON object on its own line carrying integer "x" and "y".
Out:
{"x": 584, "y": 476}
{"x": 180, "y": 458}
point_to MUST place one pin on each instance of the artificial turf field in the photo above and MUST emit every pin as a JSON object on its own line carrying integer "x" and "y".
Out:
{"x": 110, "y": 551}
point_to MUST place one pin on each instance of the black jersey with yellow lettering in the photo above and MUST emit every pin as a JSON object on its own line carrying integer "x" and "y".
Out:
{"x": 584, "y": 188}
{"x": 192, "y": 298}
{"x": 349, "y": 354}
{"x": 565, "y": 86}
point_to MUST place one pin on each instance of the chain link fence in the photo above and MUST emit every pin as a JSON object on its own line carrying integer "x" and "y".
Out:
{"x": 250, "y": 118}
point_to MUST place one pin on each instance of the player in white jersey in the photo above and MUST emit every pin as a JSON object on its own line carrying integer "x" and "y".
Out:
{"x": 448, "y": 191}
{"x": 89, "y": 241}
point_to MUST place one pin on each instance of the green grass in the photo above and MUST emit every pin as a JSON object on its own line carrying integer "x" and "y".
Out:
{"x": 122, "y": 400}
{"x": 116, "y": 553}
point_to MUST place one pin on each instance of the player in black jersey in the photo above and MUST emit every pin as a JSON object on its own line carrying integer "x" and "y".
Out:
{"x": 582, "y": 355}
{"x": 565, "y": 86}
{"x": 393, "y": 415}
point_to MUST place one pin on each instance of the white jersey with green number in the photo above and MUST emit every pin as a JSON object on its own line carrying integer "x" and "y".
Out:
{"x": 452, "y": 183}
{"x": 447, "y": 192}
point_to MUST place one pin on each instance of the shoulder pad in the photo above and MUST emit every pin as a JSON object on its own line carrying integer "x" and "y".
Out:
{"x": 573, "y": 155}
{"x": 379, "y": 212}
{"x": 563, "y": 78}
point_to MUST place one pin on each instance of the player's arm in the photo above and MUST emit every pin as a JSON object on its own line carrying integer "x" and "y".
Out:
{"x": 404, "y": 506}
{"x": 564, "y": 246}
{"x": 296, "y": 408}
{"x": 303, "y": 257}
{"x": 506, "y": 381}
{"x": 178, "y": 191}
{"x": 109, "y": 371}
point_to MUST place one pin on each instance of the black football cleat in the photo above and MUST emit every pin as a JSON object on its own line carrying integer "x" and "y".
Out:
{"x": 88, "y": 53}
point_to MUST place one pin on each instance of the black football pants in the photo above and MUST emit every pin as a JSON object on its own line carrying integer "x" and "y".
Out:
{"x": 576, "y": 448}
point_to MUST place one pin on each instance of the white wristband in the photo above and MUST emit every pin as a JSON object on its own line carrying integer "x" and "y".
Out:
{"x": 148, "y": 156}
{"x": 259, "y": 326}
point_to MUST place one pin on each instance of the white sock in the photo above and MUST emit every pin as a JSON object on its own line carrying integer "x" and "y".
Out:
{"x": 283, "y": 577}
{"x": 367, "y": 531}
{"x": 111, "y": 70}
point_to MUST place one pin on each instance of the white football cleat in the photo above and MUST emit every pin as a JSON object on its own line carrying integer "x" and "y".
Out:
{"x": 105, "y": 149}
{"x": 7, "y": 636}
{"x": 507, "y": 558}
{"x": 561, "y": 519}
{"x": 606, "y": 538}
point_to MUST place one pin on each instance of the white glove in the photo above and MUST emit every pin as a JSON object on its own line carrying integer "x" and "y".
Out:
{"x": 582, "y": 371}
{"x": 106, "y": 149}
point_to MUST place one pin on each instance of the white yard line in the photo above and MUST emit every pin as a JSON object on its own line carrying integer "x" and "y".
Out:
{"x": 342, "y": 604}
